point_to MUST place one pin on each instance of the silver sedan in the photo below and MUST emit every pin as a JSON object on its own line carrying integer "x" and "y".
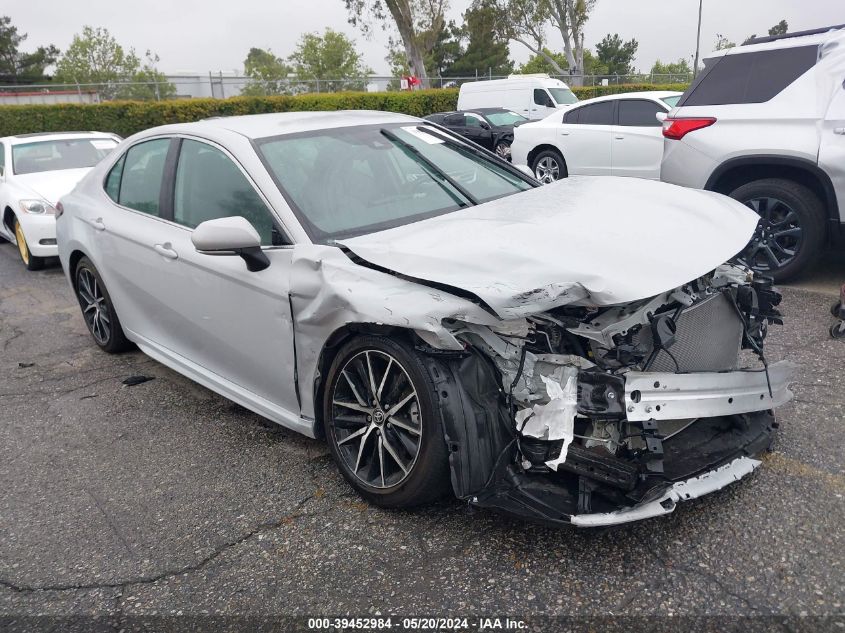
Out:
{"x": 568, "y": 353}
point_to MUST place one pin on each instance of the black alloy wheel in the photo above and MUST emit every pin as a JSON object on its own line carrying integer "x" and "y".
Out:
{"x": 382, "y": 425}
{"x": 97, "y": 309}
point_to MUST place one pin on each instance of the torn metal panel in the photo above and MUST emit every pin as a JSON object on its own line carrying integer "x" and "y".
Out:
{"x": 670, "y": 396}
{"x": 601, "y": 241}
{"x": 329, "y": 291}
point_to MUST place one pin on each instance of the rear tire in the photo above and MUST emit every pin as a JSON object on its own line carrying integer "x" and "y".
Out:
{"x": 97, "y": 309}
{"x": 548, "y": 166}
{"x": 402, "y": 460}
{"x": 30, "y": 261}
{"x": 792, "y": 229}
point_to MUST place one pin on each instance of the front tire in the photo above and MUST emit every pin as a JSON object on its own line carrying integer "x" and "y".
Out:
{"x": 30, "y": 261}
{"x": 383, "y": 424}
{"x": 549, "y": 166}
{"x": 791, "y": 233}
{"x": 98, "y": 309}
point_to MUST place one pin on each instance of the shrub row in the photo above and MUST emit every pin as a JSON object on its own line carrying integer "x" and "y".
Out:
{"x": 127, "y": 117}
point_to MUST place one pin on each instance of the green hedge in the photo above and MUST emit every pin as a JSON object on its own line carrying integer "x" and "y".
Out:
{"x": 127, "y": 117}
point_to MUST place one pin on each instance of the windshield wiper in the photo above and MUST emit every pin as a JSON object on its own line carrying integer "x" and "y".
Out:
{"x": 428, "y": 163}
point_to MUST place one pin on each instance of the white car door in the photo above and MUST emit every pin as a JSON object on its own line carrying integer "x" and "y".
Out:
{"x": 637, "y": 146}
{"x": 584, "y": 138}
{"x": 832, "y": 146}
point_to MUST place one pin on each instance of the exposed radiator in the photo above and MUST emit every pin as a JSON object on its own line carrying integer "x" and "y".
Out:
{"x": 708, "y": 338}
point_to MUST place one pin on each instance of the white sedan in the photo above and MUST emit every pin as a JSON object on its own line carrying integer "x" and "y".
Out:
{"x": 35, "y": 170}
{"x": 614, "y": 135}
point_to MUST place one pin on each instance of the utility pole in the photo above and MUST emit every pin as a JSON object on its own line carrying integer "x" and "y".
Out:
{"x": 697, "y": 42}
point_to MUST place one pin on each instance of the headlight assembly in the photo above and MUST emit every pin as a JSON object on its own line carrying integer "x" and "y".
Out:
{"x": 37, "y": 207}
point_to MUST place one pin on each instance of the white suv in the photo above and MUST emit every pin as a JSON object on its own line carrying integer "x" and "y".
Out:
{"x": 765, "y": 124}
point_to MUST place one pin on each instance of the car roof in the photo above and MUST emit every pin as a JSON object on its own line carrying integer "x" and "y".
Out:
{"x": 645, "y": 94}
{"x": 51, "y": 136}
{"x": 835, "y": 33}
{"x": 255, "y": 126}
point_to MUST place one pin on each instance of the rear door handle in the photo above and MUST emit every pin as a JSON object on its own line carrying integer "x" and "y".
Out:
{"x": 839, "y": 130}
{"x": 166, "y": 250}
{"x": 96, "y": 224}
{"x": 620, "y": 138}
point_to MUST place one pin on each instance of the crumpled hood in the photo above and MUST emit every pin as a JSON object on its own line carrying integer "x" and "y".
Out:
{"x": 52, "y": 185}
{"x": 598, "y": 240}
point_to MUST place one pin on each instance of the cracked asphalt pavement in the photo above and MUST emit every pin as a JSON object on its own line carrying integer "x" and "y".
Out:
{"x": 164, "y": 499}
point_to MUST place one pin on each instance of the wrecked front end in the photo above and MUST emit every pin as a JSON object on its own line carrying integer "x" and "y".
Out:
{"x": 597, "y": 416}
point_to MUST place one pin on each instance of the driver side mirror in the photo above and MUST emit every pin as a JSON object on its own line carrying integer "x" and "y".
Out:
{"x": 485, "y": 125}
{"x": 231, "y": 236}
{"x": 660, "y": 116}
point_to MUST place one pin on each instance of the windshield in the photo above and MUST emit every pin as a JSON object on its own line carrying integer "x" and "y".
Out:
{"x": 563, "y": 96}
{"x": 671, "y": 101}
{"x": 351, "y": 181}
{"x": 504, "y": 118}
{"x": 68, "y": 153}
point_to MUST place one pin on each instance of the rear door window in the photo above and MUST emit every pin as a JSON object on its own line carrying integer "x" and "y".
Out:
{"x": 639, "y": 113}
{"x": 749, "y": 77}
{"x": 593, "y": 114}
{"x": 140, "y": 173}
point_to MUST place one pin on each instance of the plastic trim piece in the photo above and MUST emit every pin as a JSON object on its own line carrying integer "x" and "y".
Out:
{"x": 681, "y": 491}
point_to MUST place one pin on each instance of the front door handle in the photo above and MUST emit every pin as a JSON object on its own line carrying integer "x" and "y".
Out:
{"x": 166, "y": 250}
{"x": 96, "y": 224}
{"x": 620, "y": 138}
{"x": 839, "y": 130}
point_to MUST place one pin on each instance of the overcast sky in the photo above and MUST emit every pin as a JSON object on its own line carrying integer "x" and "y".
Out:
{"x": 212, "y": 35}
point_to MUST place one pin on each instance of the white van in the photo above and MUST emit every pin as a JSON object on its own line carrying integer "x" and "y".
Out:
{"x": 533, "y": 96}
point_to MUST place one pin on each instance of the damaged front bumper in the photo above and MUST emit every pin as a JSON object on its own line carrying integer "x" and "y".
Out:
{"x": 699, "y": 432}
{"x": 692, "y": 488}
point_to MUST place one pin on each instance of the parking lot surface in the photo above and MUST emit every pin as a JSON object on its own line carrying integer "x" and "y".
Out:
{"x": 165, "y": 499}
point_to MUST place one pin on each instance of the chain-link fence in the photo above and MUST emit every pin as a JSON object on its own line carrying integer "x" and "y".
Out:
{"x": 221, "y": 85}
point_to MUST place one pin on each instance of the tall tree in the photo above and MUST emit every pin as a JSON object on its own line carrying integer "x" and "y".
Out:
{"x": 781, "y": 28}
{"x": 268, "y": 74}
{"x": 617, "y": 55}
{"x": 95, "y": 57}
{"x": 569, "y": 17}
{"x": 539, "y": 63}
{"x": 446, "y": 51}
{"x": 524, "y": 21}
{"x": 330, "y": 58}
{"x": 486, "y": 51}
{"x": 419, "y": 22}
{"x": 17, "y": 66}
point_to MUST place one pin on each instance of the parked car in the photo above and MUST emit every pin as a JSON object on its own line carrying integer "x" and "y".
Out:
{"x": 613, "y": 135}
{"x": 532, "y": 96}
{"x": 765, "y": 124}
{"x": 35, "y": 170}
{"x": 443, "y": 321}
{"x": 492, "y": 128}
